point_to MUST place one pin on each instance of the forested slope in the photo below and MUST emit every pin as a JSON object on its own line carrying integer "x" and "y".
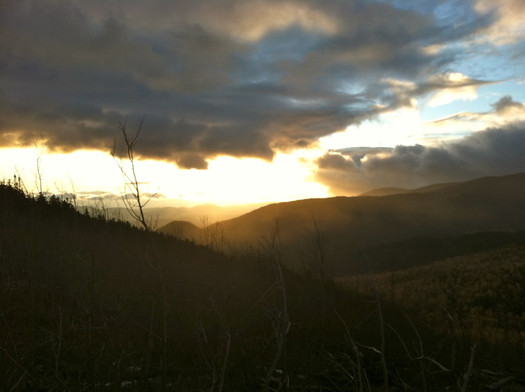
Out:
{"x": 91, "y": 304}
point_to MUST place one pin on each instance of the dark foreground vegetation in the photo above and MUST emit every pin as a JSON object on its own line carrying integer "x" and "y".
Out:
{"x": 91, "y": 304}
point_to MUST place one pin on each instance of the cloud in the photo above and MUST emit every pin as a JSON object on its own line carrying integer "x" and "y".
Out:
{"x": 229, "y": 77}
{"x": 251, "y": 21}
{"x": 505, "y": 111}
{"x": 506, "y": 104}
{"x": 495, "y": 151}
{"x": 453, "y": 86}
{"x": 438, "y": 89}
{"x": 508, "y": 26}
{"x": 358, "y": 156}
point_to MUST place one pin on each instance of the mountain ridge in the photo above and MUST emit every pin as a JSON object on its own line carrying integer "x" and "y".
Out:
{"x": 347, "y": 224}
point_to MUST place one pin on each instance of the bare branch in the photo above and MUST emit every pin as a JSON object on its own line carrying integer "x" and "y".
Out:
{"x": 134, "y": 205}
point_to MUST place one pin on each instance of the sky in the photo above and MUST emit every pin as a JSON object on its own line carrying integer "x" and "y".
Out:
{"x": 245, "y": 101}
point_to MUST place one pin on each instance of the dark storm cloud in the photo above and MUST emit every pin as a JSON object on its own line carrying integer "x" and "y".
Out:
{"x": 494, "y": 151}
{"x": 243, "y": 78}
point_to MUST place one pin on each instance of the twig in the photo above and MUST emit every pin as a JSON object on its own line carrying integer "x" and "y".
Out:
{"x": 224, "y": 362}
{"x": 467, "y": 375}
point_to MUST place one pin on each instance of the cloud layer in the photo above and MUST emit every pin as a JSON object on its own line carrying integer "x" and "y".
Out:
{"x": 495, "y": 151}
{"x": 241, "y": 78}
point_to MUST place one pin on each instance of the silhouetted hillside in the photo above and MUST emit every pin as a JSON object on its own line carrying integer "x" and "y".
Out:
{"x": 182, "y": 230}
{"x": 385, "y": 192}
{"x": 396, "y": 191}
{"x": 87, "y": 302}
{"x": 91, "y": 304}
{"x": 161, "y": 216}
{"x": 348, "y": 224}
{"x": 199, "y": 214}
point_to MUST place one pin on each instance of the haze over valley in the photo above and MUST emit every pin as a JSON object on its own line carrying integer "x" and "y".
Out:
{"x": 345, "y": 225}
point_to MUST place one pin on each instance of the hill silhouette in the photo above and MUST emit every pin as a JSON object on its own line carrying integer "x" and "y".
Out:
{"x": 396, "y": 191}
{"x": 349, "y": 224}
{"x": 94, "y": 304}
{"x": 161, "y": 216}
{"x": 182, "y": 230}
{"x": 385, "y": 192}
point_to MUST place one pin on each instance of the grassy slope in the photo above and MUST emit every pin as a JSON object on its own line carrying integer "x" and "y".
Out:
{"x": 481, "y": 294}
{"x": 478, "y": 298}
{"x": 420, "y": 251}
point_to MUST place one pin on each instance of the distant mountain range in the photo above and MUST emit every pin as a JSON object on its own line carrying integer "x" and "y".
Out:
{"x": 396, "y": 191}
{"x": 333, "y": 229}
{"x": 196, "y": 215}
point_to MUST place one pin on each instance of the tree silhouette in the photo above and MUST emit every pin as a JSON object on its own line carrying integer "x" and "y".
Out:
{"x": 136, "y": 203}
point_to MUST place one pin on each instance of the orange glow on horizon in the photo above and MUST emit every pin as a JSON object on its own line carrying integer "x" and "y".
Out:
{"x": 227, "y": 180}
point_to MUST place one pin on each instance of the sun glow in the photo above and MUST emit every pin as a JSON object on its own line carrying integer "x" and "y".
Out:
{"x": 390, "y": 129}
{"x": 81, "y": 170}
{"x": 286, "y": 178}
{"x": 231, "y": 180}
{"x": 227, "y": 180}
